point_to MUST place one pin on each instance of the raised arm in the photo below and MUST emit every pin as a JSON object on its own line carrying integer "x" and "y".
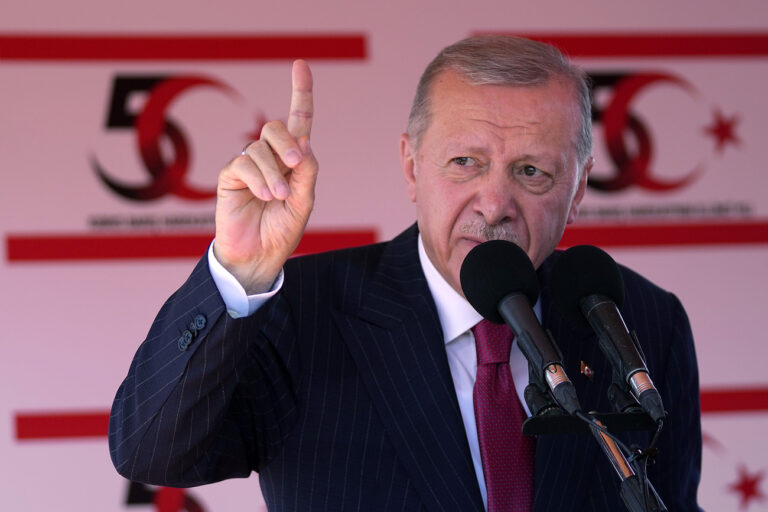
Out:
{"x": 202, "y": 381}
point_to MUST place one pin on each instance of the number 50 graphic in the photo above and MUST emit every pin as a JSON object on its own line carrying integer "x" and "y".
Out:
{"x": 167, "y": 176}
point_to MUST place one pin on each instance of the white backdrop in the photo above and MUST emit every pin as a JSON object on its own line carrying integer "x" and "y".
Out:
{"x": 75, "y": 302}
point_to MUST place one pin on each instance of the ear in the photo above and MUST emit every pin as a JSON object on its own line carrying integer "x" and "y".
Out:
{"x": 408, "y": 165}
{"x": 580, "y": 190}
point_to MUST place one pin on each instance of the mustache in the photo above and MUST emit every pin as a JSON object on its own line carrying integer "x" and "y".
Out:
{"x": 488, "y": 232}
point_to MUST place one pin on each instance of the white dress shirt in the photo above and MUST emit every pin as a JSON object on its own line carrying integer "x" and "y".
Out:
{"x": 457, "y": 318}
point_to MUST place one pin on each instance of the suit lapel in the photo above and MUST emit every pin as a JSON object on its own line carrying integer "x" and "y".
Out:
{"x": 395, "y": 337}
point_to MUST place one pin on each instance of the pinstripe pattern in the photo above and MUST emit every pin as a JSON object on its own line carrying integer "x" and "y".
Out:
{"x": 573, "y": 462}
{"x": 338, "y": 393}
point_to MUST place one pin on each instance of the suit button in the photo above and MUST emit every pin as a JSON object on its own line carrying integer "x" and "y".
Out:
{"x": 200, "y": 322}
{"x": 184, "y": 340}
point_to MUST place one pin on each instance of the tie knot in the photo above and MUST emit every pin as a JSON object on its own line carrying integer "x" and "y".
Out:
{"x": 493, "y": 342}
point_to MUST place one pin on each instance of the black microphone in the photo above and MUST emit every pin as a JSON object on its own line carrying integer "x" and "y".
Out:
{"x": 587, "y": 283}
{"x": 499, "y": 281}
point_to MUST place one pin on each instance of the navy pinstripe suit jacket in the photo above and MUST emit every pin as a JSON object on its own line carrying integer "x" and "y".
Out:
{"x": 338, "y": 393}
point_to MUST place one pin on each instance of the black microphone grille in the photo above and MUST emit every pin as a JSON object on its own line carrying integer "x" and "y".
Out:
{"x": 581, "y": 271}
{"x": 493, "y": 270}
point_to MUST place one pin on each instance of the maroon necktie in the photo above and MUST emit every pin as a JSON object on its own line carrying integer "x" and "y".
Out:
{"x": 508, "y": 455}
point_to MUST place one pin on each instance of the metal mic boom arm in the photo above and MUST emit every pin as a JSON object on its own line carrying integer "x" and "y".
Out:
{"x": 632, "y": 486}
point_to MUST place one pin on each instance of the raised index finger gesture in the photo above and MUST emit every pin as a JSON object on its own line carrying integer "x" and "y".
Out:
{"x": 301, "y": 111}
{"x": 266, "y": 195}
{"x": 302, "y": 178}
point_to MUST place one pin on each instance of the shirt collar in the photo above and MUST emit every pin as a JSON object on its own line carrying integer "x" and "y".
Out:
{"x": 456, "y": 315}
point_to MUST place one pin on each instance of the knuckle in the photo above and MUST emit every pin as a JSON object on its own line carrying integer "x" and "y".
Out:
{"x": 271, "y": 128}
{"x": 232, "y": 166}
{"x": 302, "y": 113}
{"x": 261, "y": 147}
{"x": 239, "y": 164}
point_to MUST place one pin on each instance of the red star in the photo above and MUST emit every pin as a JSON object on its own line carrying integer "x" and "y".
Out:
{"x": 748, "y": 486}
{"x": 722, "y": 130}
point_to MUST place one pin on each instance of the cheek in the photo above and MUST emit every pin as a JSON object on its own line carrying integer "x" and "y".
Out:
{"x": 446, "y": 201}
{"x": 431, "y": 214}
{"x": 544, "y": 221}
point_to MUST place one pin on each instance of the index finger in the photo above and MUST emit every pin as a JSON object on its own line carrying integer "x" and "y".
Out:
{"x": 301, "y": 111}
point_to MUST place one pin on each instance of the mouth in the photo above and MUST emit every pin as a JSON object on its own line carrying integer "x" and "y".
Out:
{"x": 472, "y": 241}
{"x": 477, "y": 240}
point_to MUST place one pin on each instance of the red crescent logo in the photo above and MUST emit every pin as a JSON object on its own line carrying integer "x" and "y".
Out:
{"x": 634, "y": 169}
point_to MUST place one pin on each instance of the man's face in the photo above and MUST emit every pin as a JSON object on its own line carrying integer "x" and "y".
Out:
{"x": 495, "y": 162}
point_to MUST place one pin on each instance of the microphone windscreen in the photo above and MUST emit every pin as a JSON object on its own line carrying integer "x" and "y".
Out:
{"x": 493, "y": 270}
{"x": 581, "y": 271}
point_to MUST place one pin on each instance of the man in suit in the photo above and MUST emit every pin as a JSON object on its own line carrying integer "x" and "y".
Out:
{"x": 345, "y": 379}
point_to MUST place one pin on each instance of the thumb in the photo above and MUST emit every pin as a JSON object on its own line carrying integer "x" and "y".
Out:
{"x": 304, "y": 145}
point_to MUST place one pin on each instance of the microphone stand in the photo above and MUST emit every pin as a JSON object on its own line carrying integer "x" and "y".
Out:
{"x": 547, "y": 417}
{"x": 632, "y": 487}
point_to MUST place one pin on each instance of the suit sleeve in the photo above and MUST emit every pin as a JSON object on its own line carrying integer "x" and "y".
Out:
{"x": 207, "y": 397}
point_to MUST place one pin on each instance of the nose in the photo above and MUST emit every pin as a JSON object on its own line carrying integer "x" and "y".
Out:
{"x": 495, "y": 197}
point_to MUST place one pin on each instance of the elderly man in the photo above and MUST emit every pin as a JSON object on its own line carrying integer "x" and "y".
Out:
{"x": 346, "y": 379}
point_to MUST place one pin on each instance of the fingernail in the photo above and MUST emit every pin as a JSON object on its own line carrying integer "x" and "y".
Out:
{"x": 266, "y": 194}
{"x": 281, "y": 190}
{"x": 292, "y": 157}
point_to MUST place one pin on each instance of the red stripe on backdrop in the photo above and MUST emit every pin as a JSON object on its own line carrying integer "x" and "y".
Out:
{"x": 734, "y": 400}
{"x": 61, "y": 425}
{"x": 69, "y": 425}
{"x": 660, "y": 44}
{"x": 644, "y": 235}
{"x": 67, "y": 47}
{"x": 62, "y": 247}
{"x": 77, "y": 247}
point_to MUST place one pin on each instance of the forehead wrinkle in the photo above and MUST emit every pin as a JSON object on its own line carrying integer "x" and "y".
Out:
{"x": 484, "y": 139}
{"x": 496, "y": 120}
{"x": 505, "y": 133}
{"x": 506, "y": 147}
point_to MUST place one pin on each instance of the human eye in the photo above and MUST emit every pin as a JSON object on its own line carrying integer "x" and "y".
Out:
{"x": 534, "y": 179}
{"x": 464, "y": 168}
{"x": 464, "y": 161}
{"x": 530, "y": 171}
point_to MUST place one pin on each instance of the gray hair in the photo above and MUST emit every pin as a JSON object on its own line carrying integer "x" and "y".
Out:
{"x": 504, "y": 60}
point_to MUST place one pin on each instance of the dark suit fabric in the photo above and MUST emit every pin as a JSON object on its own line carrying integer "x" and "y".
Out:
{"x": 338, "y": 393}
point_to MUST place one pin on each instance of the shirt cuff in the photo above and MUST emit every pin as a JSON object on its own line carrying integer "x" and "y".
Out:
{"x": 239, "y": 304}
